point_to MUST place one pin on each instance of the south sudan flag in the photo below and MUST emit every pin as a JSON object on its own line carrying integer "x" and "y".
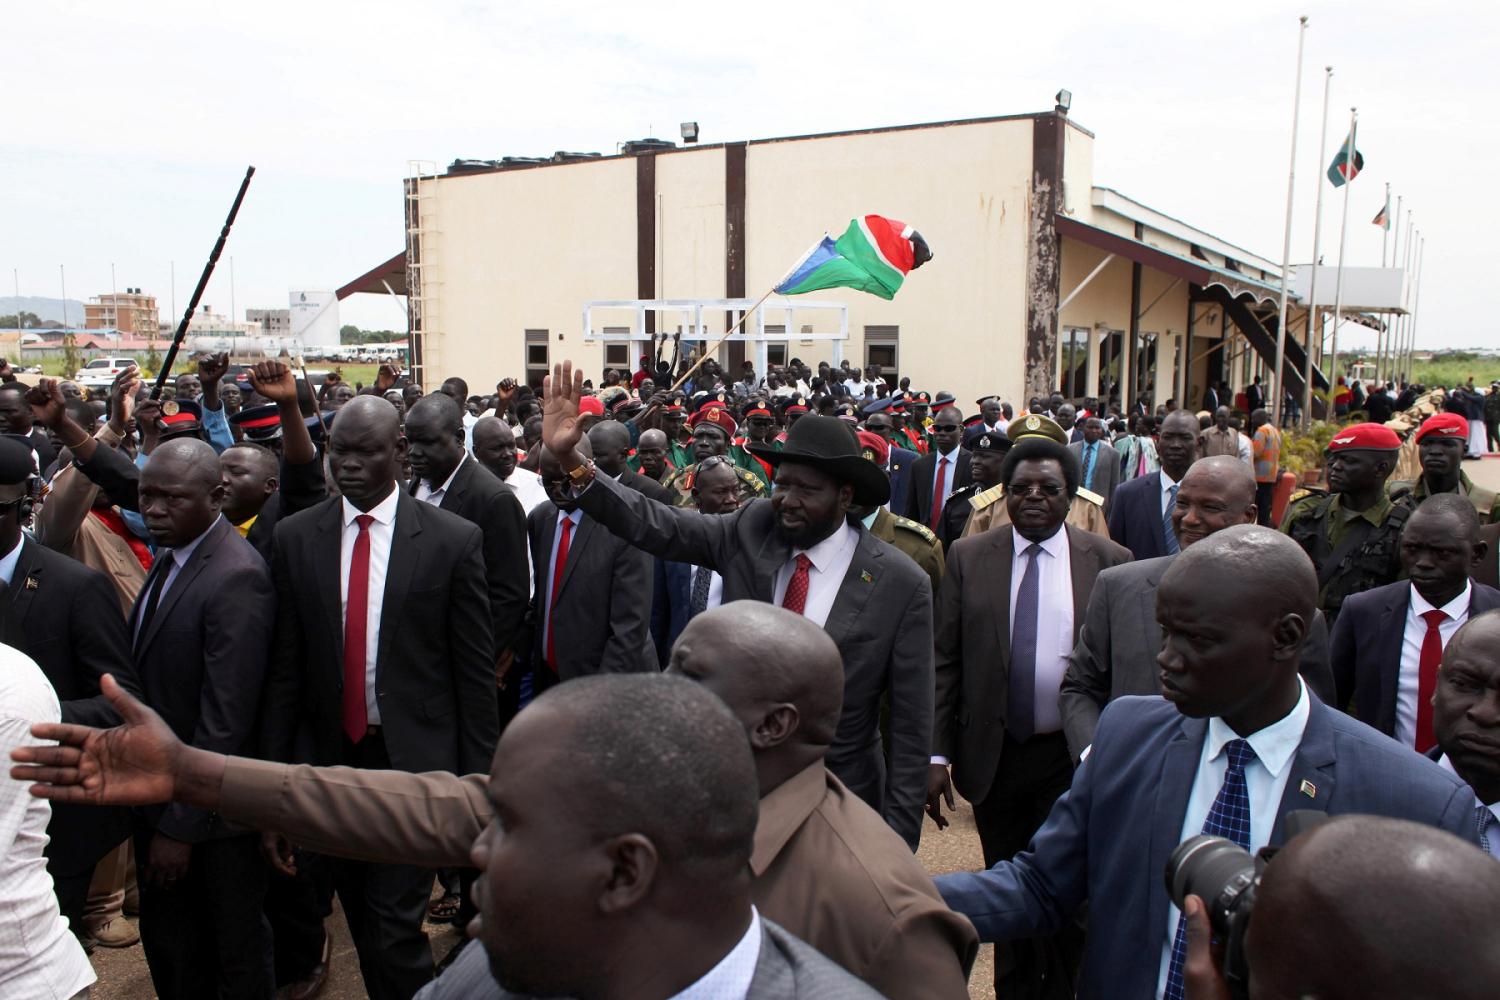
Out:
{"x": 1347, "y": 164}
{"x": 874, "y": 255}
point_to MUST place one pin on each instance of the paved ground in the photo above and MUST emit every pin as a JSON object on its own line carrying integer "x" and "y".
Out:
{"x": 123, "y": 974}
{"x": 1485, "y": 472}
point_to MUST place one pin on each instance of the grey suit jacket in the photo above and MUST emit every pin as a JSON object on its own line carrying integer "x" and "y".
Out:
{"x": 881, "y": 621}
{"x": 973, "y": 645}
{"x": 1116, "y": 651}
{"x": 1106, "y": 469}
{"x": 787, "y": 967}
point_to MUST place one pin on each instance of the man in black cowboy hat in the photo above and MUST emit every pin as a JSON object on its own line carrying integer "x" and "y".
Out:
{"x": 800, "y": 550}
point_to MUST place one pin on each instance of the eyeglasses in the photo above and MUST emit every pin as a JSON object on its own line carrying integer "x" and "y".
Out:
{"x": 945, "y": 427}
{"x": 1028, "y": 490}
{"x": 713, "y": 460}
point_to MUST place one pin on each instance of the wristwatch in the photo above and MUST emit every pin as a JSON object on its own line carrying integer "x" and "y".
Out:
{"x": 583, "y": 472}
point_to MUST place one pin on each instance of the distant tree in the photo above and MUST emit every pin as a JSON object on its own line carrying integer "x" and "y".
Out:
{"x": 26, "y": 321}
{"x": 72, "y": 360}
{"x": 350, "y": 334}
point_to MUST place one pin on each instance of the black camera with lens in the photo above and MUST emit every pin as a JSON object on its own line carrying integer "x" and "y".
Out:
{"x": 1225, "y": 876}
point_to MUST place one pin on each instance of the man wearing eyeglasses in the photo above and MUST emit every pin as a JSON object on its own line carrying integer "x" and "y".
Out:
{"x": 1007, "y": 749}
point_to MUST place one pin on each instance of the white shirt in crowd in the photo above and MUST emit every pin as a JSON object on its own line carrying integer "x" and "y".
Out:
{"x": 731, "y": 978}
{"x": 528, "y": 487}
{"x": 382, "y": 530}
{"x": 426, "y": 494}
{"x": 946, "y": 462}
{"x": 39, "y": 956}
{"x": 1265, "y": 784}
{"x": 830, "y": 562}
{"x": 1246, "y": 452}
{"x": 1168, "y": 501}
{"x": 1054, "y": 633}
{"x": 1407, "y": 680}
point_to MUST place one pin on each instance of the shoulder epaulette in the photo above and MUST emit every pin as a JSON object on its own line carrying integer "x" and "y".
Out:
{"x": 918, "y": 527}
{"x": 980, "y": 501}
{"x": 1091, "y": 497}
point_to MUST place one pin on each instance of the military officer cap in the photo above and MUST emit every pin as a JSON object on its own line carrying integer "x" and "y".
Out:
{"x": 17, "y": 467}
{"x": 877, "y": 406}
{"x": 179, "y": 418}
{"x": 943, "y": 399}
{"x": 920, "y": 398}
{"x": 992, "y": 441}
{"x": 1037, "y": 425}
{"x": 798, "y": 404}
{"x": 258, "y": 423}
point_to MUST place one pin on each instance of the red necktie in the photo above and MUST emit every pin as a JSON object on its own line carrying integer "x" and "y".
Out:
{"x": 796, "y": 588}
{"x": 939, "y": 493}
{"x": 559, "y": 562}
{"x": 1427, "y": 669}
{"x": 356, "y": 620}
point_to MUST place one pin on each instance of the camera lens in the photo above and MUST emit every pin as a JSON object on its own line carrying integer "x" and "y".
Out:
{"x": 1213, "y": 869}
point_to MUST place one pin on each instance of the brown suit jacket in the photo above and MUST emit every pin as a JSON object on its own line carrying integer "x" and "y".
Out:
{"x": 1488, "y": 572}
{"x": 973, "y": 646}
{"x": 827, "y": 867}
{"x": 64, "y": 525}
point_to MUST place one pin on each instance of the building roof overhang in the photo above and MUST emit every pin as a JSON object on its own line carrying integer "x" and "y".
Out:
{"x": 392, "y": 273}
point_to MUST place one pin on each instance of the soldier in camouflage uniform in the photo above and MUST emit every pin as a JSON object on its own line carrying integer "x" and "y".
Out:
{"x": 713, "y": 430}
{"x": 1440, "y": 446}
{"x": 1353, "y": 532}
{"x": 916, "y": 540}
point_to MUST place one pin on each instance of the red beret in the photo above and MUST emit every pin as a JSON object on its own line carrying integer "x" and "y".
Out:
{"x": 1443, "y": 425}
{"x": 874, "y": 447}
{"x": 591, "y": 404}
{"x": 1365, "y": 437}
{"x": 718, "y": 416}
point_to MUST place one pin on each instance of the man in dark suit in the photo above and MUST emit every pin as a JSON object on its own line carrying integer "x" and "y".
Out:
{"x": 938, "y": 474}
{"x": 898, "y": 461}
{"x": 682, "y": 590}
{"x": 1255, "y": 396}
{"x": 1117, "y": 647}
{"x": 1236, "y": 744}
{"x": 610, "y": 440}
{"x": 65, "y": 617}
{"x": 384, "y": 658}
{"x": 16, "y": 420}
{"x": 997, "y": 718}
{"x": 1388, "y": 643}
{"x": 1140, "y": 516}
{"x": 876, "y": 604}
{"x": 591, "y": 610}
{"x": 201, "y": 630}
{"x": 1098, "y": 460}
{"x": 1467, "y": 731}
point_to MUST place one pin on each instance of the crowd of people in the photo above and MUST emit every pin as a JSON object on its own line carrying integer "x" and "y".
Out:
{"x": 656, "y": 684}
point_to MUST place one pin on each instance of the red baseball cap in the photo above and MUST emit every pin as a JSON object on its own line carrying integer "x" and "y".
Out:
{"x": 1443, "y": 425}
{"x": 1365, "y": 437}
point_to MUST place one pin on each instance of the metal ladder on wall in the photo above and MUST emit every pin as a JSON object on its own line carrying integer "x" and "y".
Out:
{"x": 423, "y": 284}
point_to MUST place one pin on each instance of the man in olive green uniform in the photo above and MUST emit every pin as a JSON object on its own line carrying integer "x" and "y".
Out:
{"x": 1440, "y": 446}
{"x": 713, "y": 429}
{"x": 1353, "y": 532}
{"x": 1086, "y": 510}
{"x": 916, "y": 540}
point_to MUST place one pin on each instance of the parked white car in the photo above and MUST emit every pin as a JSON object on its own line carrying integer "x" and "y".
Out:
{"x": 100, "y": 372}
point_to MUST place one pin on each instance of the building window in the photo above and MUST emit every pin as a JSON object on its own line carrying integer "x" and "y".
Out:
{"x": 617, "y": 356}
{"x": 537, "y": 358}
{"x": 1074, "y": 357}
{"x": 882, "y": 348}
{"x": 776, "y": 349}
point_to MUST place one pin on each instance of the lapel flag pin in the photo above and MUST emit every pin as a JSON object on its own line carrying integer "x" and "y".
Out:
{"x": 1309, "y": 789}
{"x": 865, "y": 576}
{"x": 31, "y": 583}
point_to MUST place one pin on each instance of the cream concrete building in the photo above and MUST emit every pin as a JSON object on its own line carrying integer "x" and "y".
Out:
{"x": 1041, "y": 279}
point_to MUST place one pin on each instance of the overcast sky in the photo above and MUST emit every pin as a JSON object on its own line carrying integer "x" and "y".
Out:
{"x": 128, "y": 126}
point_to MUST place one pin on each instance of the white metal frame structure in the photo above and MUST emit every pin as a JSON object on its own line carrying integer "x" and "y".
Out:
{"x": 694, "y": 330}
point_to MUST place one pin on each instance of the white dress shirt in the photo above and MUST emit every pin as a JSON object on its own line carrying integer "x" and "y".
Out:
{"x": 1246, "y": 452}
{"x": 1489, "y": 831}
{"x": 39, "y": 956}
{"x": 1054, "y": 632}
{"x": 179, "y": 557}
{"x": 1167, "y": 500}
{"x": 731, "y": 978}
{"x": 576, "y": 518}
{"x": 1265, "y": 783}
{"x": 426, "y": 494}
{"x": 382, "y": 530}
{"x": 830, "y": 562}
{"x": 528, "y": 487}
{"x": 1407, "y": 680}
{"x": 948, "y": 462}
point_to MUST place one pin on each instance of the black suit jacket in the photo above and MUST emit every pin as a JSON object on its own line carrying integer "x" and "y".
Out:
{"x": 299, "y": 487}
{"x": 202, "y": 660}
{"x": 1135, "y": 516}
{"x": 435, "y": 666}
{"x": 917, "y": 504}
{"x": 602, "y": 619}
{"x": 645, "y": 484}
{"x": 973, "y": 645}
{"x": 881, "y": 621}
{"x": 478, "y": 496}
{"x": 1365, "y": 648}
{"x": 66, "y": 617}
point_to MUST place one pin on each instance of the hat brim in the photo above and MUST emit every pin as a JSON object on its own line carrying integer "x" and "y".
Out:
{"x": 871, "y": 486}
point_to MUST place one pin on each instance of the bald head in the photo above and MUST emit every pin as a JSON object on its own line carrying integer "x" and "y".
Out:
{"x": 192, "y": 462}
{"x": 1453, "y": 512}
{"x": 653, "y": 439}
{"x": 437, "y": 410}
{"x": 365, "y": 418}
{"x": 610, "y": 441}
{"x": 1216, "y": 493}
{"x": 1271, "y": 572}
{"x": 1369, "y": 907}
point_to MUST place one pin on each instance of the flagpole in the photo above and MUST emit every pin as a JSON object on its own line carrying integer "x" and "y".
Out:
{"x": 1416, "y": 302}
{"x": 1382, "y": 337}
{"x": 1277, "y": 380}
{"x": 1396, "y": 319}
{"x": 1338, "y": 282}
{"x": 1314, "y": 317}
{"x": 1406, "y": 284}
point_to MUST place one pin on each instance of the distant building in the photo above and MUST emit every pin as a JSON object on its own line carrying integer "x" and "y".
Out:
{"x": 207, "y": 323}
{"x": 273, "y": 322}
{"x": 130, "y": 312}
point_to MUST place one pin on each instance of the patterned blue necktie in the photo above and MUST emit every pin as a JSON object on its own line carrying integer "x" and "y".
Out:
{"x": 698, "y": 602}
{"x": 1228, "y": 818}
{"x": 1088, "y": 465}
{"x": 1020, "y": 717}
{"x": 1485, "y": 819}
{"x": 1168, "y": 533}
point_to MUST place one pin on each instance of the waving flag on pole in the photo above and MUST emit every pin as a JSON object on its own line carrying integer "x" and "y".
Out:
{"x": 874, "y": 255}
{"x": 1383, "y": 217}
{"x": 1347, "y": 164}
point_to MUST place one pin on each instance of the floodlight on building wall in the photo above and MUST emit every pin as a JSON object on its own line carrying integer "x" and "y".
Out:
{"x": 1064, "y": 101}
{"x": 689, "y": 131}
